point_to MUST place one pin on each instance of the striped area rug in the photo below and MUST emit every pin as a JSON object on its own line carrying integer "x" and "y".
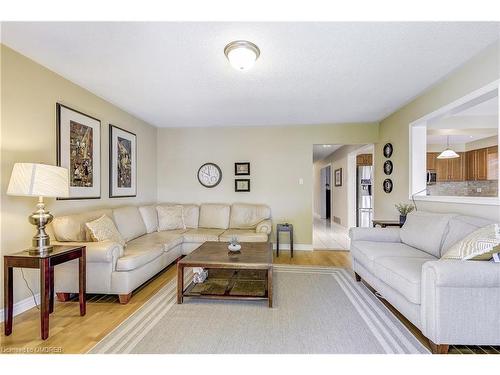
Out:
{"x": 316, "y": 310}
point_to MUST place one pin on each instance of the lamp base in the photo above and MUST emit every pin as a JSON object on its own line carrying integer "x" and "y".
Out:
{"x": 41, "y": 240}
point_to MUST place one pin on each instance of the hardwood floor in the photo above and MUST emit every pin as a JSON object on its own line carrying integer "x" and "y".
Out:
{"x": 71, "y": 333}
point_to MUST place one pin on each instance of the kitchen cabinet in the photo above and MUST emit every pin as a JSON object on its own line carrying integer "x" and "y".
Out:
{"x": 482, "y": 164}
{"x": 474, "y": 165}
{"x": 492, "y": 163}
{"x": 447, "y": 169}
{"x": 431, "y": 160}
{"x": 364, "y": 160}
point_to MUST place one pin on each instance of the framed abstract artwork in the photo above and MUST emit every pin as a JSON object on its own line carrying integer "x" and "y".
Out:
{"x": 242, "y": 169}
{"x": 338, "y": 177}
{"x": 122, "y": 163}
{"x": 79, "y": 150}
{"x": 242, "y": 184}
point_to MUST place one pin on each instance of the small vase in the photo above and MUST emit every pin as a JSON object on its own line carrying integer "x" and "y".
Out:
{"x": 402, "y": 220}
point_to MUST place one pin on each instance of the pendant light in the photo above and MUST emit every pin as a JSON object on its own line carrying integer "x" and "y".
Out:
{"x": 448, "y": 153}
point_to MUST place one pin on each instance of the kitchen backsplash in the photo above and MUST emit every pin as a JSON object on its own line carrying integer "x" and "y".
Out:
{"x": 465, "y": 188}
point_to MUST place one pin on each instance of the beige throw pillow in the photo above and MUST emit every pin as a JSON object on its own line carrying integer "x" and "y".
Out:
{"x": 479, "y": 245}
{"x": 170, "y": 217}
{"x": 103, "y": 229}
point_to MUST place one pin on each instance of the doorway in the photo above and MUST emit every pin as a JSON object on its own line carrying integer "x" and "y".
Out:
{"x": 360, "y": 200}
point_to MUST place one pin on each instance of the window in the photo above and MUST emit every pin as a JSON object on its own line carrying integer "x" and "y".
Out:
{"x": 454, "y": 151}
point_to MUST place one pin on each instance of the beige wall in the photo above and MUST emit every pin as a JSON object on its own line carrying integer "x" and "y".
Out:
{"x": 279, "y": 157}
{"x": 479, "y": 71}
{"x": 29, "y": 93}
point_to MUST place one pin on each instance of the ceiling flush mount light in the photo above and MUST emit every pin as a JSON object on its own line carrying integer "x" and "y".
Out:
{"x": 448, "y": 153}
{"x": 242, "y": 54}
{"x": 327, "y": 146}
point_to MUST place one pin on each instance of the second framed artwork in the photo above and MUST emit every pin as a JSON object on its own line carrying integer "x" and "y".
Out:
{"x": 242, "y": 184}
{"x": 122, "y": 163}
{"x": 338, "y": 177}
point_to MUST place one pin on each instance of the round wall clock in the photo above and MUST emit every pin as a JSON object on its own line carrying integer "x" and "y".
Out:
{"x": 388, "y": 167}
{"x": 387, "y": 185}
{"x": 209, "y": 175}
{"x": 388, "y": 150}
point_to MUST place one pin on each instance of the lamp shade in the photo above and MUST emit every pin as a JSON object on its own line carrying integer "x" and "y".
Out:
{"x": 448, "y": 154}
{"x": 39, "y": 180}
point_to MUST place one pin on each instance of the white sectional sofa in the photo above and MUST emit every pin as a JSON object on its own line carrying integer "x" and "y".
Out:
{"x": 116, "y": 269}
{"x": 450, "y": 301}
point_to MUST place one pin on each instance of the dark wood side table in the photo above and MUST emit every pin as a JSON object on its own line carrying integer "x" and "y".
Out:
{"x": 386, "y": 223}
{"x": 284, "y": 228}
{"x": 45, "y": 263}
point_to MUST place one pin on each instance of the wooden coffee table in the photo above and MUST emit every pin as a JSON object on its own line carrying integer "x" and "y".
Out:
{"x": 240, "y": 270}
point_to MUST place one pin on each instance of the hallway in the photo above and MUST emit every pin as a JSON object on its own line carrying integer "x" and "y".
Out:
{"x": 329, "y": 236}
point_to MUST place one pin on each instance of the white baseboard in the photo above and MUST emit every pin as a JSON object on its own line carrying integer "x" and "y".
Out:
{"x": 22, "y": 306}
{"x": 298, "y": 246}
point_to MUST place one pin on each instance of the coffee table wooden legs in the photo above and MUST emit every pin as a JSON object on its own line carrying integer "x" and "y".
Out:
{"x": 180, "y": 283}
{"x": 270, "y": 286}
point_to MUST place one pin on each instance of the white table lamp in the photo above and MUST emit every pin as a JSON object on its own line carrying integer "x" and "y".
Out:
{"x": 39, "y": 180}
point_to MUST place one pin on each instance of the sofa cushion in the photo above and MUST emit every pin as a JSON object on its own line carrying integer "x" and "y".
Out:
{"x": 460, "y": 227}
{"x": 150, "y": 218}
{"x": 367, "y": 251}
{"x": 169, "y": 239}
{"x": 73, "y": 228}
{"x": 138, "y": 253}
{"x": 214, "y": 216}
{"x": 245, "y": 216}
{"x": 104, "y": 229}
{"x": 191, "y": 214}
{"x": 129, "y": 222}
{"x": 425, "y": 231}
{"x": 170, "y": 217}
{"x": 202, "y": 235}
{"x": 402, "y": 273}
{"x": 243, "y": 235}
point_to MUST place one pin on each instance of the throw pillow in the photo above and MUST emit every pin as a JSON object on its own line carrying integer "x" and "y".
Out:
{"x": 170, "y": 217}
{"x": 150, "y": 218}
{"x": 479, "y": 245}
{"x": 103, "y": 229}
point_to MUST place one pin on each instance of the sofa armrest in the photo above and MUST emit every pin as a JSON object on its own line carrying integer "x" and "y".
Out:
{"x": 462, "y": 273}
{"x": 460, "y": 301}
{"x": 98, "y": 252}
{"x": 265, "y": 226}
{"x": 375, "y": 234}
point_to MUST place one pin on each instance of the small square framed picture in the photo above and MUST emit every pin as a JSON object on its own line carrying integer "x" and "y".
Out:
{"x": 242, "y": 169}
{"x": 338, "y": 177}
{"x": 242, "y": 184}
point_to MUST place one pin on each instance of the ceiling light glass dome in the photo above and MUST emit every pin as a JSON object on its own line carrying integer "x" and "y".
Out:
{"x": 242, "y": 54}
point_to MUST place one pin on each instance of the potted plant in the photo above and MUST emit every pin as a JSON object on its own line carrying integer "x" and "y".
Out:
{"x": 404, "y": 209}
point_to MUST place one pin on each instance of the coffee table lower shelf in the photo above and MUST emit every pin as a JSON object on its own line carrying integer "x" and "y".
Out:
{"x": 226, "y": 286}
{"x": 188, "y": 293}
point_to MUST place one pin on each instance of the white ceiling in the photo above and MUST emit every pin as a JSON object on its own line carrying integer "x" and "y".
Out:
{"x": 320, "y": 152}
{"x": 176, "y": 74}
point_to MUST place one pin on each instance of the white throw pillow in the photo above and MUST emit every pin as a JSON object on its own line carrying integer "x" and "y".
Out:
{"x": 103, "y": 229}
{"x": 479, "y": 245}
{"x": 150, "y": 218}
{"x": 170, "y": 217}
